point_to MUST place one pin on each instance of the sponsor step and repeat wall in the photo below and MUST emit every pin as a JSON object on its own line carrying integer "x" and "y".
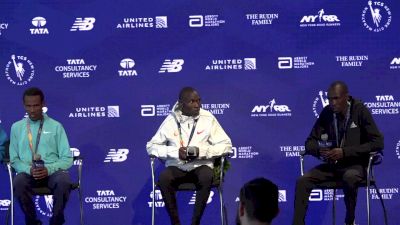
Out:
{"x": 111, "y": 72}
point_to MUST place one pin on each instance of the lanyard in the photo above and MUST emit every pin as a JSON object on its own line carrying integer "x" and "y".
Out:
{"x": 191, "y": 133}
{"x": 28, "y": 126}
{"x": 335, "y": 123}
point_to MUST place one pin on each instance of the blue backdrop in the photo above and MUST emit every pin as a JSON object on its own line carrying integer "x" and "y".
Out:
{"x": 111, "y": 71}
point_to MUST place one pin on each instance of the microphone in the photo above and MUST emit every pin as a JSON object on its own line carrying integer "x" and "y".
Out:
{"x": 37, "y": 161}
{"x": 324, "y": 143}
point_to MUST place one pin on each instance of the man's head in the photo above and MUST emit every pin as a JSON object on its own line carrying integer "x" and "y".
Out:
{"x": 258, "y": 202}
{"x": 33, "y": 100}
{"x": 338, "y": 95}
{"x": 189, "y": 101}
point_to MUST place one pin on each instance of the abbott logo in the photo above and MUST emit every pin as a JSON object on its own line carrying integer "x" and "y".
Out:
{"x": 172, "y": 66}
{"x": 196, "y": 21}
{"x": 316, "y": 195}
{"x": 113, "y": 111}
{"x": 148, "y": 110}
{"x": 83, "y": 24}
{"x": 234, "y": 153}
{"x": 119, "y": 155}
{"x": 285, "y": 62}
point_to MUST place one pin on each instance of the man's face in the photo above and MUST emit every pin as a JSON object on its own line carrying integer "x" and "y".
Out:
{"x": 191, "y": 104}
{"x": 337, "y": 99}
{"x": 33, "y": 106}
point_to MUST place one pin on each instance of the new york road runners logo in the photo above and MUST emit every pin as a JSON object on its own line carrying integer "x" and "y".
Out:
{"x": 19, "y": 70}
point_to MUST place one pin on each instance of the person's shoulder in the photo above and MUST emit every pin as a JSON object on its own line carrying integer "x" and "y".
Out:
{"x": 358, "y": 105}
{"x": 53, "y": 122}
{"x": 18, "y": 124}
{"x": 205, "y": 114}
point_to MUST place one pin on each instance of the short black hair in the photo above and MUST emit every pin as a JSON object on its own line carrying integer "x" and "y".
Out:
{"x": 33, "y": 91}
{"x": 260, "y": 198}
{"x": 184, "y": 91}
{"x": 340, "y": 83}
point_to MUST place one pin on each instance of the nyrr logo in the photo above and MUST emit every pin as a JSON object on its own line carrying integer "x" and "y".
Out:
{"x": 398, "y": 150}
{"x": 172, "y": 66}
{"x": 4, "y": 204}
{"x": 320, "y": 20}
{"x": 158, "y": 200}
{"x": 3, "y": 26}
{"x": 44, "y": 205}
{"x": 376, "y": 16}
{"x": 395, "y": 63}
{"x": 272, "y": 109}
{"x": 19, "y": 70}
{"x": 119, "y": 155}
{"x": 282, "y": 196}
{"x": 39, "y": 23}
{"x": 209, "y": 200}
{"x": 320, "y": 102}
{"x": 127, "y": 65}
{"x": 83, "y": 24}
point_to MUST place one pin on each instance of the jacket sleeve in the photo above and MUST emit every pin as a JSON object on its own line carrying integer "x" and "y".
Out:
{"x": 368, "y": 130}
{"x": 65, "y": 158}
{"x": 3, "y": 139}
{"x": 16, "y": 162}
{"x": 158, "y": 146}
{"x": 218, "y": 143}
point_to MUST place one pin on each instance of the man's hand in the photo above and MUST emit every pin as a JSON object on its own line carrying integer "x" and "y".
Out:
{"x": 331, "y": 154}
{"x": 39, "y": 173}
{"x": 182, "y": 153}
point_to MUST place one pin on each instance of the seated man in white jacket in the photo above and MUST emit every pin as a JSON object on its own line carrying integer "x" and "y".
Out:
{"x": 188, "y": 140}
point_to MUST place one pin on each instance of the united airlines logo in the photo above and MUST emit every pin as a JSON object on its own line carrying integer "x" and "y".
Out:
{"x": 83, "y": 24}
{"x": 320, "y": 102}
{"x": 232, "y": 64}
{"x": 117, "y": 155}
{"x": 320, "y": 20}
{"x": 172, "y": 66}
{"x": 282, "y": 196}
{"x": 44, "y": 205}
{"x": 39, "y": 26}
{"x": 143, "y": 23}
{"x": 376, "y": 17}
{"x": 158, "y": 199}
{"x": 111, "y": 111}
{"x": 19, "y": 70}
{"x": 272, "y": 109}
{"x": 127, "y": 70}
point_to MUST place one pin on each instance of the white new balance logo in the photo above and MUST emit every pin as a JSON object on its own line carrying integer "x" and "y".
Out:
{"x": 209, "y": 200}
{"x": 172, "y": 66}
{"x": 83, "y": 24}
{"x": 117, "y": 156}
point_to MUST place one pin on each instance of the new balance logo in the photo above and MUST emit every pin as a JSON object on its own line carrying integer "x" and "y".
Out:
{"x": 172, "y": 66}
{"x": 119, "y": 155}
{"x": 193, "y": 199}
{"x": 83, "y": 24}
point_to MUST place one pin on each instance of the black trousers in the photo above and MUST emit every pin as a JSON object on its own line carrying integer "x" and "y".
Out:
{"x": 60, "y": 184}
{"x": 350, "y": 176}
{"x": 169, "y": 180}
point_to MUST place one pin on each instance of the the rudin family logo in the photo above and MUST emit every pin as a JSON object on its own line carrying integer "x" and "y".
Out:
{"x": 192, "y": 200}
{"x": 384, "y": 104}
{"x": 171, "y": 66}
{"x": 282, "y": 196}
{"x": 389, "y": 193}
{"x": 95, "y": 112}
{"x": 216, "y": 109}
{"x": 4, "y": 204}
{"x": 318, "y": 195}
{"x": 76, "y": 68}
{"x": 292, "y": 151}
{"x": 143, "y": 22}
{"x": 232, "y": 64}
{"x": 19, "y": 70}
{"x": 44, "y": 205}
{"x": 244, "y": 152}
{"x": 127, "y": 70}
{"x": 83, "y": 24}
{"x": 3, "y": 26}
{"x": 320, "y": 20}
{"x": 271, "y": 110}
{"x": 117, "y": 155}
{"x": 351, "y": 60}
{"x": 395, "y": 63}
{"x": 299, "y": 62}
{"x": 376, "y": 16}
{"x": 155, "y": 110}
{"x": 260, "y": 19}
{"x": 75, "y": 152}
{"x": 39, "y": 23}
{"x": 398, "y": 149}
{"x": 158, "y": 200}
{"x": 205, "y": 21}
{"x": 320, "y": 102}
{"x": 106, "y": 199}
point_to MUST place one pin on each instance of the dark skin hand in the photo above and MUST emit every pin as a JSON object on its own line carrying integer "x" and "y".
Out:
{"x": 331, "y": 154}
{"x": 39, "y": 173}
{"x": 182, "y": 153}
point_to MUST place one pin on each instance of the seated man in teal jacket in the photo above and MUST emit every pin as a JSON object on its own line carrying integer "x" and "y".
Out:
{"x": 3, "y": 139}
{"x": 40, "y": 154}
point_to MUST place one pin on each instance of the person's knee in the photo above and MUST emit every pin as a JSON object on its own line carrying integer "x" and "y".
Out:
{"x": 302, "y": 181}
{"x": 205, "y": 176}
{"x": 62, "y": 181}
{"x": 20, "y": 182}
{"x": 165, "y": 178}
{"x": 351, "y": 178}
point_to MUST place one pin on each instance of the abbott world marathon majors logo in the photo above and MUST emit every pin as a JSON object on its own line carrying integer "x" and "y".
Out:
{"x": 216, "y": 109}
{"x": 272, "y": 109}
{"x": 143, "y": 22}
{"x": 244, "y": 152}
{"x": 292, "y": 150}
{"x": 39, "y": 24}
{"x": 106, "y": 199}
{"x": 352, "y": 60}
{"x": 76, "y": 68}
{"x": 298, "y": 62}
{"x": 205, "y": 21}
{"x": 320, "y": 20}
{"x": 95, "y": 112}
{"x": 384, "y": 105}
{"x": 318, "y": 195}
{"x": 155, "y": 110}
{"x": 376, "y": 16}
{"x": 19, "y": 70}
{"x": 44, "y": 205}
{"x": 320, "y": 102}
{"x": 232, "y": 64}
{"x": 260, "y": 19}
{"x": 127, "y": 70}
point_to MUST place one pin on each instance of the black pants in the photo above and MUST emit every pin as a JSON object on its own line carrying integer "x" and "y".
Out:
{"x": 350, "y": 176}
{"x": 169, "y": 180}
{"x": 60, "y": 184}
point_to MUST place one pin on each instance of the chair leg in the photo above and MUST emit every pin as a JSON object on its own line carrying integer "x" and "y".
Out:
{"x": 221, "y": 201}
{"x": 11, "y": 207}
{"x": 334, "y": 208}
{"x": 154, "y": 192}
{"x": 80, "y": 205}
{"x": 368, "y": 206}
{"x": 382, "y": 203}
{"x": 8, "y": 214}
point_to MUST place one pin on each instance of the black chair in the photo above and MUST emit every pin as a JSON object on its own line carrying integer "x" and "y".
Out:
{"x": 41, "y": 191}
{"x": 219, "y": 164}
{"x": 375, "y": 158}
